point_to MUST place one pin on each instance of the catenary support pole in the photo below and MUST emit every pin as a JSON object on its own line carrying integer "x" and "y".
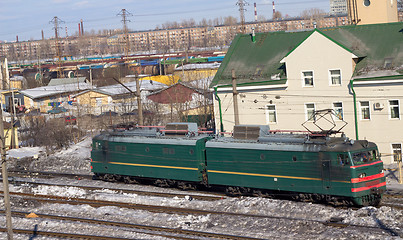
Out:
{"x": 355, "y": 108}
{"x": 4, "y": 173}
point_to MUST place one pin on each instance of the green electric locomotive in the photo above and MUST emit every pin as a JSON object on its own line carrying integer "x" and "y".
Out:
{"x": 306, "y": 166}
{"x": 174, "y": 156}
{"x": 254, "y": 161}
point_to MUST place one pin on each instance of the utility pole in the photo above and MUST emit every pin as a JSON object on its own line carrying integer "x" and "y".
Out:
{"x": 242, "y": 4}
{"x": 12, "y": 143}
{"x": 235, "y": 98}
{"x": 56, "y": 22}
{"x": 139, "y": 105}
{"x": 4, "y": 172}
{"x": 124, "y": 13}
{"x": 400, "y": 172}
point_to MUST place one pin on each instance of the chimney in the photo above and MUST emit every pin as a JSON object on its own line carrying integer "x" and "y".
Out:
{"x": 255, "y": 12}
{"x": 17, "y": 38}
{"x": 274, "y": 9}
{"x": 43, "y": 36}
{"x": 82, "y": 28}
{"x": 79, "y": 30}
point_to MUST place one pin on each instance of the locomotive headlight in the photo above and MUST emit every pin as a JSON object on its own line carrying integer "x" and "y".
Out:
{"x": 362, "y": 175}
{"x": 382, "y": 171}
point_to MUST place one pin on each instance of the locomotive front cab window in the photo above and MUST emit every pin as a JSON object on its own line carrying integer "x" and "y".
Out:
{"x": 364, "y": 157}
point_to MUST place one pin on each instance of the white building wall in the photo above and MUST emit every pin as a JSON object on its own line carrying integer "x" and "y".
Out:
{"x": 318, "y": 54}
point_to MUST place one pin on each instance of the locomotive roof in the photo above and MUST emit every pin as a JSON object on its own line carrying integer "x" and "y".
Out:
{"x": 292, "y": 142}
{"x": 148, "y": 136}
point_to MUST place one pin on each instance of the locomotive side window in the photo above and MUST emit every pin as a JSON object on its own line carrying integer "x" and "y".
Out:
{"x": 169, "y": 151}
{"x": 343, "y": 159}
{"x": 120, "y": 148}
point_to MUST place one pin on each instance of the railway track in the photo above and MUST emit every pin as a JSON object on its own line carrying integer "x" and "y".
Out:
{"x": 23, "y": 173}
{"x": 186, "y": 211}
{"x": 31, "y": 174}
{"x": 61, "y": 235}
{"x": 174, "y": 233}
{"x": 130, "y": 191}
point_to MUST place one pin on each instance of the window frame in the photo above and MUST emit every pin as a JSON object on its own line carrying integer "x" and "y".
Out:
{"x": 307, "y": 118}
{"x": 271, "y": 111}
{"x": 390, "y": 109}
{"x": 369, "y": 111}
{"x": 393, "y": 150}
{"x": 330, "y": 77}
{"x": 342, "y": 111}
{"x": 303, "y": 78}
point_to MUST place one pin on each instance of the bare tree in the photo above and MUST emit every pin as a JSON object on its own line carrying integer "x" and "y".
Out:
{"x": 229, "y": 21}
{"x": 261, "y": 18}
{"x": 277, "y": 15}
{"x": 314, "y": 16}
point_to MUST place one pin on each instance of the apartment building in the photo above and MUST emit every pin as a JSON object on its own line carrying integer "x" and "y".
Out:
{"x": 157, "y": 40}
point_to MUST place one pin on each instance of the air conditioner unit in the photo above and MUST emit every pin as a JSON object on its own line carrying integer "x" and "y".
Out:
{"x": 378, "y": 105}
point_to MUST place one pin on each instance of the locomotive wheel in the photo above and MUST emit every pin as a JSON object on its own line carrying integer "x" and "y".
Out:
{"x": 129, "y": 180}
{"x": 233, "y": 191}
{"x": 186, "y": 186}
{"x": 164, "y": 183}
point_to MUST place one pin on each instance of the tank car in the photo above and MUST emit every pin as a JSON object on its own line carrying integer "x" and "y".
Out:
{"x": 254, "y": 161}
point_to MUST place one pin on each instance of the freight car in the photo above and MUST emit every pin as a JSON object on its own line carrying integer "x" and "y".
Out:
{"x": 254, "y": 161}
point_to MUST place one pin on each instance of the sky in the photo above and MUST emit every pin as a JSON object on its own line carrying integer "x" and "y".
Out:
{"x": 26, "y": 18}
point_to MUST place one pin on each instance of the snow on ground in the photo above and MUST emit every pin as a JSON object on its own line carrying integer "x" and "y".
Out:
{"x": 75, "y": 159}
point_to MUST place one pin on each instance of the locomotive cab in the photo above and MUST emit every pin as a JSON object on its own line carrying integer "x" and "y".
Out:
{"x": 367, "y": 176}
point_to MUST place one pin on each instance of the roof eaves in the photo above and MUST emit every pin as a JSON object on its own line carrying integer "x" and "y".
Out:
{"x": 380, "y": 78}
{"x": 269, "y": 82}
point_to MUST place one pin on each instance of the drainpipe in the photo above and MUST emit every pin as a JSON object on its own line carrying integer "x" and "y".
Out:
{"x": 219, "y": 106}
{"x": 355, "y": 108}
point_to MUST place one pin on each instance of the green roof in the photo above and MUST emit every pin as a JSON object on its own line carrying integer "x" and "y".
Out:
{"x": 259, "y": 61}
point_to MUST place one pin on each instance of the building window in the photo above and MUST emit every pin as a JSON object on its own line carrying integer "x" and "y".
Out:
{"x": 309, "y": 111}
{"x": 397, "y": 152}
{"x": 308, "y": 78}
{"x": 365, "y": 114}
{"x": 271, "y": 114}
{"x": 338, "y": 110}
{"x": 394, "y": 109}
{"x": 98, "y": 102}
{"x": 335, "y": 77}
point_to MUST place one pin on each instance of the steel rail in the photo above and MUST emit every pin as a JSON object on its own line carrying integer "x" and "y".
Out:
{"x": 70, "y": 235}
{"x": 140, "y": 226}
{"x": 139, "y": 192}
{"x": 174, "y": 210}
